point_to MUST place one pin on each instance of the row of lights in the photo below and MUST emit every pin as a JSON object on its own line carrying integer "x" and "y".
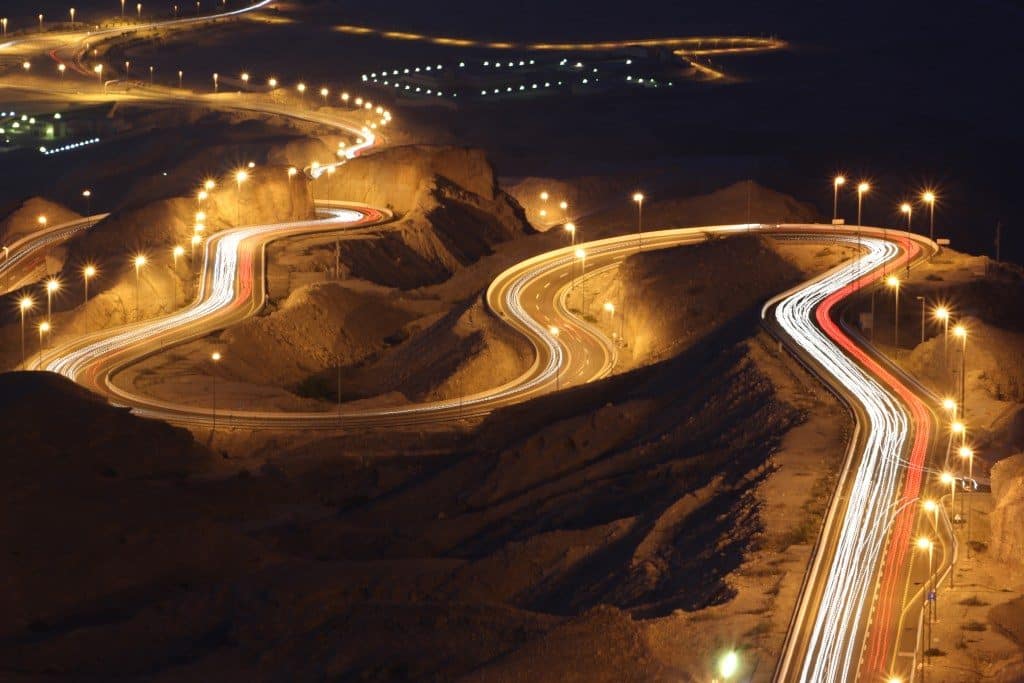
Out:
{"x": 928, "y": 197}
{"x": 69, "y": 146}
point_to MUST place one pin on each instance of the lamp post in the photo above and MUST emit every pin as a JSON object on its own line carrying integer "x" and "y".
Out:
{"x": 72, "y": 12}
{"x": 98, "y": 70}
{"x": 216, "y": 82}
{"x": 921, "y": 299}
{"x": 862, "y": 189}
{"x": 176, "y": 253}
{"x": 87, "y": 194}
{"x": 138, "y": 10}
{"x": 893, "y": 283}
{"x": 941, "y": 313}
{"x": 323, "y": 94}
{"x": 196, "y": 239}
{"x": 3, "y": 23}
{"x": 928, "y": 197}
{"x": 152, "y": 70}
{"x": 40, "y": 23}
{"x": 960, "y": 332}
{"x": 44, "y": 328}
{"x": 571, "y": 229}
{"x": 61, "y": 68}
{"x": 122, "y": 8}
{"x": 932, "y": 507}
{"x": 301, "y": 87}
{"x": 564, "y": 206}
{"x": 215, "y": 357}
{"x": 581, "y": 254}
{"x": 181, "y": 75}
{"x": 240, "y": 177}
{"x": 25, "y": 304}
{"x": 139, "y": 262}
{"x": 52, "y": 285}
{"x": 558, "y": 370}
{"x": 836, "y": 183}
{"x": 968, "y": 453}
{"x": 638, "y": 197}
{"x": 925, "y": 543}
{"x": 88, "y": 273}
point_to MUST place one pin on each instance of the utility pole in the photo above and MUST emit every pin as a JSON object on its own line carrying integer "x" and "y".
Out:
{"x": 999, "y": 240}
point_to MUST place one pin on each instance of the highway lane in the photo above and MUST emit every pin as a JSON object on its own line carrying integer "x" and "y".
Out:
{"x": 833, "y": 649}
{"x": 848, "y": 600}
{"x": 25, "y": 255}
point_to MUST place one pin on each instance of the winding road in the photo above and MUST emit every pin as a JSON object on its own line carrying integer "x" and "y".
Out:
{"x": 847, "y": 624}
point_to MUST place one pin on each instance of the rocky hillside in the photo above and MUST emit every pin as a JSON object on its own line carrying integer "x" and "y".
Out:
{"x": 449, "y": 207}
{"x": 1008, "y": 498}
{"x": 22, "y": 218}
{"x": 670, "y": 297}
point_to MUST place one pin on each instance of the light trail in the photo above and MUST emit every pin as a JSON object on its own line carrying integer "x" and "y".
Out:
{"x": 26, "y": 250}
{"x": 683, "y": 46}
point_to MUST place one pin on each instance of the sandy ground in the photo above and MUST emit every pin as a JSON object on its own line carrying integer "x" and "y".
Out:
{"x": 980, "y": 629}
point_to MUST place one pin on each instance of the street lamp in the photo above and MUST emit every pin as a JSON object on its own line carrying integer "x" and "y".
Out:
{"x": 72, "y": 11}
{"x": 292, "y": 171}
{"x": 177, "y": 252}
{"x": 960, "y": 332}
{"x": 40, "y": 23}
{"x": 240, "y": 177}
{"x": 931, "y": 506}
{"x": 836, "y": 183}
{"x": 3, "y": 22}
{"x": 554, "y": 331}
{"x": 906, "y": 208}
{"x": 941, "y": 313}
{"x": 729, "y": 665}
{"x": 949, "y": 480}
{"x": 893, "y": 283}
{"x": 98, "y": 70}
{"x": 301, "y": 87}
{"x": 88, "y": 201}
{"x": 245, "y": 79}
{"x": 26, "y": 65}
{"x": 138, "y": 10}
{"x": 181, "y": 75}
{"x": 139, "y": 261}
{"x": 581, "y": 254}
{"x": 921, "y": 299}
{"x": 52, "y": 285}
{"x": 122, "y": 8}
{"x": 272, "y": 82}
{"x": 216, "y": 82}
{"x": 323, "y": 93}
{"x": 42, "y": 221}
{"x": 196, "y": 239}
{"x": 61, "y": 68}
{"x": 928, "y": 197}
{"x": 215, "y": 357}
{"x": 127, "y": 68}
{"x": 638, "y": 197}
{"x": 44, "y": 328}
{"x": 25, "y": 304}
{"x": 88, "y": 273}
{"x": 925, "y": 543}
{"x": 209, "y": 184}
{"x": 571, "y": 229}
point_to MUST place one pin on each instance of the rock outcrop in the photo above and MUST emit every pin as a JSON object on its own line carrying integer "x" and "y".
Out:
{"x": 1008, "y": 497}
{"x": 449, "y": 207}
{"x": 24, "y": 218}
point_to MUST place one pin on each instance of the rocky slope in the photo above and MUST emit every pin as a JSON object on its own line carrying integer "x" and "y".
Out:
{"x": 449, "y": 207}
{"x": 1007, "y": 544}
{"x": 22, "y": 218}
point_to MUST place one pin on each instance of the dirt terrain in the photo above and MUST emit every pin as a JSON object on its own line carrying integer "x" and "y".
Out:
{"x": 559, "y": 538}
